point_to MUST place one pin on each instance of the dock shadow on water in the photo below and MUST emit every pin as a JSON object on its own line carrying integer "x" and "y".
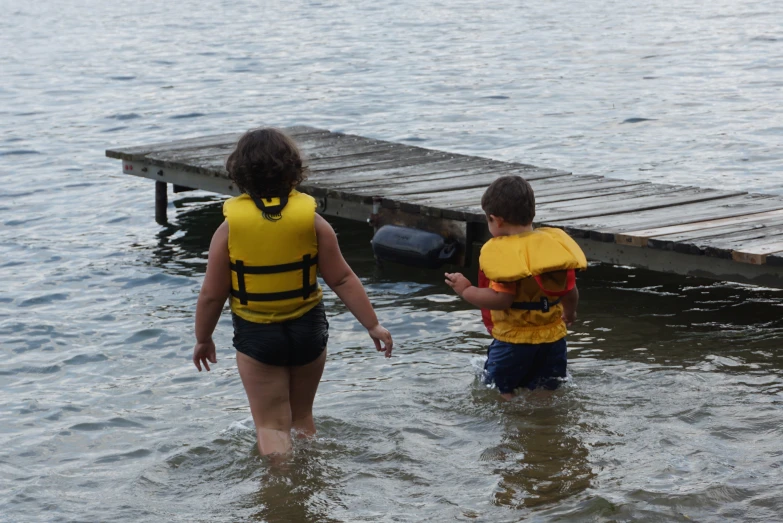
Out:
{"x": 671, "y": 411}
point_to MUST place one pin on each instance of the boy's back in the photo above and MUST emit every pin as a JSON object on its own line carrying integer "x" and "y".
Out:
{"x": 527, "y": 290}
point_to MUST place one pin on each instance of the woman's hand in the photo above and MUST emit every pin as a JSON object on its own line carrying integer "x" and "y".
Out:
{"x": 213, "y": 295}
{"x": 380, "y": 335}
{"x": 204, "y": 352}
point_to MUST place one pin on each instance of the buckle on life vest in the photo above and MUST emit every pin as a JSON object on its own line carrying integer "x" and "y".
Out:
{"x": 543, "y": 305}
{"x": 304, "y": 291}
{"x": 269, "y": 209}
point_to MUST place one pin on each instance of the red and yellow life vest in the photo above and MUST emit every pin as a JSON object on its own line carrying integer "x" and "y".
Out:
{"x": 273, "y": 250}
{"x": 541, "y": 263}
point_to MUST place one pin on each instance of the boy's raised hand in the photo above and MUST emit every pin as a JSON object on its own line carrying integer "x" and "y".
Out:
{"x": 458, "y": 282}
{"x": 378, "y": 335}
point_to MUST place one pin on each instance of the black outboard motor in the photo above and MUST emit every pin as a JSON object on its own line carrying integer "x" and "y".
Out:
{"x": 412, "y": 247}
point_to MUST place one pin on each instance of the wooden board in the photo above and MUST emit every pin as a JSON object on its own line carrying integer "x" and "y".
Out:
{"x": 639, "y": 238}
{"x": 349, "y": 179}
{"x": 758, "y": 255}
{"x": 561, "y": 183}
{"x": 383, "y": 159}
{"x": 681, "y": 242}
{"x": 722, "y": 245}
{"x": 395, "y": 190}
{"x": 439, "y": 190}
{"x": 606, "y": 227}
{"x": 140, "y": 152}
{"x": 651, "y": 196}
{"x": 657, "y": 197}
{"x": 566, "y": 189}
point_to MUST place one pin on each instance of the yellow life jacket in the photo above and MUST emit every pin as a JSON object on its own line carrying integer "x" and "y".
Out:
{"x": 541, "y": 263}
{"x": 274, "y": 257}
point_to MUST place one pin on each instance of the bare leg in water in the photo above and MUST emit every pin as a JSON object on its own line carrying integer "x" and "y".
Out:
{"x": 281, "y": 399}
{"x": 302, "y": 389}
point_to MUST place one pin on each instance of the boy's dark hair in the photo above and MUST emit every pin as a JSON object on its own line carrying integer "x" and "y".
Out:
{"x": 266, "y": 163}
{"x": 510, "y": 198}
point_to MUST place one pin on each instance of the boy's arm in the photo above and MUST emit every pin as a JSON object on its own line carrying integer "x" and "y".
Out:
{"x": 570, "y": 302}
{"x": 484, "y": 298}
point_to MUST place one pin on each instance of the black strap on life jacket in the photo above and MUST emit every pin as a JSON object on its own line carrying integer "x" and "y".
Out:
{"x": 268, "y": 211}
{"x": 544, "y": 305}
{"x": 304, "y": 292}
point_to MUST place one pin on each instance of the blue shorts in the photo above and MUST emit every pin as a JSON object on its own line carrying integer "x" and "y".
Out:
{"x": 510, "y": 366}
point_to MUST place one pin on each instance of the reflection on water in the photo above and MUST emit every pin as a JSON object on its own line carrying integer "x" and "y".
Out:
{"x": 540, "y": 459}
{"x": 302, "y": 489}
{"x": 180, "y": 248}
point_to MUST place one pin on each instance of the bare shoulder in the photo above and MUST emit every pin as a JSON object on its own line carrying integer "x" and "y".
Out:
{"x": 324, "y": 232}
{"x": 321, "y": 224}
{"x": 222, "y": 229}
{"x": 219, "y": 238}
{"x": 331, "y": 263}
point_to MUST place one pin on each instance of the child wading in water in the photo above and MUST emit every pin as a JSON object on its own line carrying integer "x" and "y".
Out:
{"x": 265, "y": 256}
{"x": 527, "y": 290}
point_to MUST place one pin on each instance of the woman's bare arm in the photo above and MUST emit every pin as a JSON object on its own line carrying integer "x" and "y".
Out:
{"x": 339, "y": 276}
{"x": 213, "y": 295}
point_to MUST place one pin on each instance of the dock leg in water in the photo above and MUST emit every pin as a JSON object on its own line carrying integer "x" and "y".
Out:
{"x": 161, "y": 202}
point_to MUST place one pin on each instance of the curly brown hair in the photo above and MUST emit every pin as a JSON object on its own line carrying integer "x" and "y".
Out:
{"x": 510, "y": 198}
{"x": 266, "y": 163}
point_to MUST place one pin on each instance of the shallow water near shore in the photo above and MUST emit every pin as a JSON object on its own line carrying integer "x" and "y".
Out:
{"x": 674, "y": 404}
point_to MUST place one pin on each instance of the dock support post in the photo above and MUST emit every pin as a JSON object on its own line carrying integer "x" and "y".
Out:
{"x": 161, "y": 202}
{"x": 376, "y": 212}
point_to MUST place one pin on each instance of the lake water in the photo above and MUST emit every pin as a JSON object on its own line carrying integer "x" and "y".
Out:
{"x": 674, "y": 406}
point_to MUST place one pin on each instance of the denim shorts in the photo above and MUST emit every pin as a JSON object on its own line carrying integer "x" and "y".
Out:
{"x": 286, "y": 344}
{"x": 510, "y": 366}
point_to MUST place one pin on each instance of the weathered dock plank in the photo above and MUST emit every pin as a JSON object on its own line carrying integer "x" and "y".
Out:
{"x": 656, "y": 197}
{"x": 559, "y": 190}
{"x": 606, "y": 228}
{"x": 640, "y": 238}
{"x": 448, "y": 184}
{"x": 141, "y": 152}
{"x": 687, "y": 241}
{"x": 756, "y": 251}
{"x": 706, "y": 232}
{"x": 451, "y": 168}
{"x": 380, "y": 161}
{"x": 723, "y": 246}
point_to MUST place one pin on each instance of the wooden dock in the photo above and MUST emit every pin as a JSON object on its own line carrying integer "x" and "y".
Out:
{"x": 718, "y": 234}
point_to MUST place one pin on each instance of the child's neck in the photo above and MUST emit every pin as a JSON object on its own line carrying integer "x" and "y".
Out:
{"x": 509, "y": 229}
